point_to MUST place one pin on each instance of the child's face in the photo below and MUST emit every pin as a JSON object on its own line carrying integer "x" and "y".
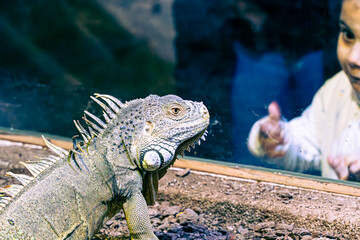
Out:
{"x": 348, "y": 49}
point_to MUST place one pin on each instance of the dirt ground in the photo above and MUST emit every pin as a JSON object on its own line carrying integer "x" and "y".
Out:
{"x": 196, "y": 205}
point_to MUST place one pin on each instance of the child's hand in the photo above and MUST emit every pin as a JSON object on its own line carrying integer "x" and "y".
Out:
{"x": 344, "y": 165}
{"x": 271, "y": 134}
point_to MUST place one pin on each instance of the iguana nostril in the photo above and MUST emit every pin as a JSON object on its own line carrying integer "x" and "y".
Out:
{"x": 205, "y": 112}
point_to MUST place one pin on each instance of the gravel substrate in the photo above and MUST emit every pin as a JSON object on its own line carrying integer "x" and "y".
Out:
{"x": 195, "y": 205}
{"x": 170, "y": 222}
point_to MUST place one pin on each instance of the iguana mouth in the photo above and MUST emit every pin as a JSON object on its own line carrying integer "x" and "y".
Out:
{"x": 191, "y": 143}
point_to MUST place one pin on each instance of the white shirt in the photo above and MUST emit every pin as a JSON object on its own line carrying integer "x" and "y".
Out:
{"x": 329, "y": 126}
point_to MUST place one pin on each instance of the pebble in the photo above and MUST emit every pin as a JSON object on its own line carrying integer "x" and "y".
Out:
{"x": 260, "y": 226}
{"x": 285, "y": 195}
{"x": 173, "y": 210}
{"x": 154, "y": 212}
{"x": 4, "y": 164}
{"x": 188, "y": 215}
{"x": 183, "y": 173}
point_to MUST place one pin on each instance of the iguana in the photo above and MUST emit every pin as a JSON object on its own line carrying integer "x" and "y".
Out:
{"x": 116, "y": 165}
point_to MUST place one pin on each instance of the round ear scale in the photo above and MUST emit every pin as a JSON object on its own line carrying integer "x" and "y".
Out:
{"x": 152, "y": 160}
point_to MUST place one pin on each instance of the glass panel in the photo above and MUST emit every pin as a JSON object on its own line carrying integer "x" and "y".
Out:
{"x": 234, "y": 55}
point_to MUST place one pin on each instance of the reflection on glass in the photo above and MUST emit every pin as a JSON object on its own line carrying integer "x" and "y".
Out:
{"x": 325, "y": 137}
{"x": 279, "y": 57}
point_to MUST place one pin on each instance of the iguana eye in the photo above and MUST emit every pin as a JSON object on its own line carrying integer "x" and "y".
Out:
{"x": 175, "y": 110}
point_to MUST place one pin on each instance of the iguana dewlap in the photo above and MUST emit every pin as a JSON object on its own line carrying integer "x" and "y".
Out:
{"x": 117, "y": 165}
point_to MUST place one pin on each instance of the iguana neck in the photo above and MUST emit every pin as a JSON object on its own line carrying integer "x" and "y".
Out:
{"x": 115, "y": 146}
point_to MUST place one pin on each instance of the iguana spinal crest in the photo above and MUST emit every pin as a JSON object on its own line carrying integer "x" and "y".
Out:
{"x": 117, "y": 165}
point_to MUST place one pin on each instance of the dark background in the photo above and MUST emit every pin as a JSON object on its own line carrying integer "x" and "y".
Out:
{"x": 55, "y": 54}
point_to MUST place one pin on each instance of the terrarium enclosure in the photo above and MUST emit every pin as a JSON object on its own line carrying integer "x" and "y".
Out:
{"x": 56, "y": 54}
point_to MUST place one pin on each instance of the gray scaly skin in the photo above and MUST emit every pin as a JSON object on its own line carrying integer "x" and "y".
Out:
{"x": 117, "y": 165}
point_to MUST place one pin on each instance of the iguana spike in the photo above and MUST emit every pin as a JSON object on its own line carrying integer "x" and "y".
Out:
{"x": 82, "y": 131}
{"x": 58, "y": 150}
{"x": 80, "y": 148}
{"x": 42, "y": 163}
{"x": 53, "y": 158}
{"x": 106, "y": 108}
{"x": 48, "y": 158}
{"x": 34, "y": 169}
{"x": 98, "y": 120}
{"x": 11, "y": 190}
{"x": 22, "y": 178}
{"x": 114, "y": 99}
{"x": 4, "y": 200}
{"x": 92, "y": 132}
{"x": 93, "y": 125}
{"x": 106, "y": 117}
{"x": 111, "y": 104}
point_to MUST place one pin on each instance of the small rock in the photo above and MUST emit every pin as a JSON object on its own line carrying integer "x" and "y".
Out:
{"x": 230, "y": 236}
{"x": 307, "y": 237}
{"x": 197, "y": 210}
{"x": 188, "y": 215}
{"x": 4, "y": 164}
{"x": 165, "y": 225}
{"x": 285, "y": 194}
{"x": 119, "y": 216}
{"x": 282, "y": 232}
{"x": 183, "y": 173}
{"x": 165, "y": 204}
{"x": 241, "y": 229}
{"x": 260, "y": 226}
{"x": 193, "y": 228}
{"x": 110, "y": 222}
{"x": 172, "y": 210}
{"x": 153, "y": 212}
{"x": 301, "y": 231}
{"x": 283, "y": 226}
{"x": 155, "y": 221}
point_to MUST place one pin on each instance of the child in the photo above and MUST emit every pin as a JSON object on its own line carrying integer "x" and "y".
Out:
{"x": 326, "y": 136}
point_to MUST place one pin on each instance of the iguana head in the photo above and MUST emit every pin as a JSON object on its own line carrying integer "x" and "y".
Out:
{"x": 170, "y": 126}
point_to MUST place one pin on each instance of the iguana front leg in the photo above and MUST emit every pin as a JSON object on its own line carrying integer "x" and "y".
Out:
{"x": 137, "y": 218}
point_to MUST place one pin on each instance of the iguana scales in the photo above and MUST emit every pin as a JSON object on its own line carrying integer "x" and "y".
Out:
{"x": 117, "y": 165}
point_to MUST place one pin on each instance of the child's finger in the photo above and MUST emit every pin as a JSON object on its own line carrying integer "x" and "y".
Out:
{"x": 333, "y": 161}
{"x": 338, "y": 163}
{"x": 275, "y": 154}
{"x": 274, "y": 111}
{"x": 353, "y": 162}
